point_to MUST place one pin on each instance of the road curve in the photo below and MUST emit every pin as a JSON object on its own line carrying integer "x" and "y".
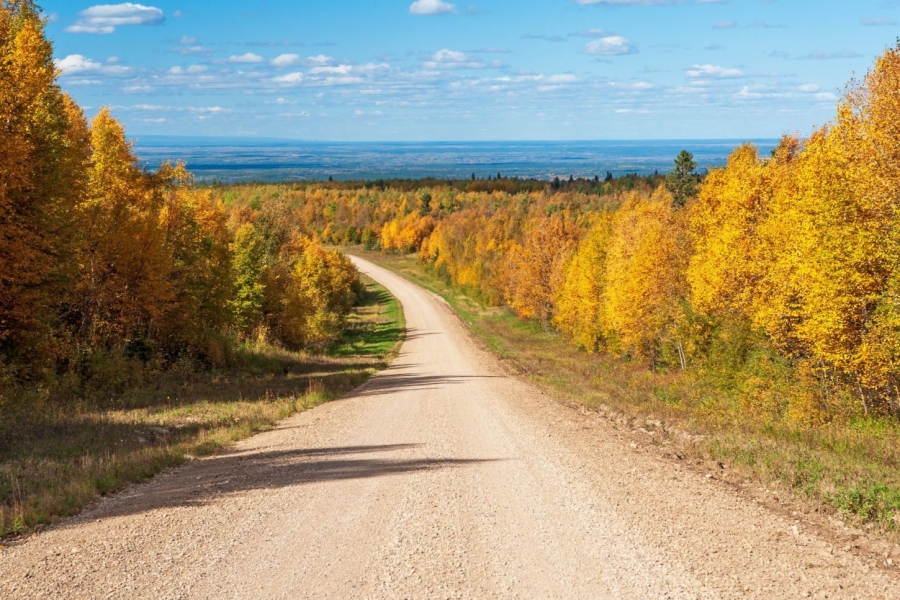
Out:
{"x": 440, "y": 477}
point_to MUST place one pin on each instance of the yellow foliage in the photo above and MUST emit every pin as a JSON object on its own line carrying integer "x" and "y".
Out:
{"x": 322, "y": 287}
{"x": 406, "y": 234}
{"x": 580, "y": 301}
{"x": 43, "y": 153}
{"x": 125, "y": 284}
{"x": 646, "y": 261}
{"x": 536, "y": 267}
{"x": 728, "y": 260}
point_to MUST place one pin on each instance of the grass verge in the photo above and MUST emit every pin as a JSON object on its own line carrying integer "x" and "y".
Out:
{"x": 848, "y": 468}
{"x": 51, "y": 466}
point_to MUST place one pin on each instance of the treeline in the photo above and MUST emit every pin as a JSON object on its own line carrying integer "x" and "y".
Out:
{"x": 597, "y": 185}
{"x": 775, "y": 277}
{"x": 107, "y": 269}
{"x": 789, "y": 260}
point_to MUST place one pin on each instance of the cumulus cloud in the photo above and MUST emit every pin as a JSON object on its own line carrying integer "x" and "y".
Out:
{"x": 637, "y": 85}
{"x": 188, "y": 45}
{"x": 290, "y": 78}
{"x": 610, "y": 45}
{"x": 318, "y": 60}
{"x": 714, "y": 71}
{"x": 338, "y": 70}
{"x": 431, "y": 7}
{"x": 76, "y": 64}
{"x": 285, "y": 60}
{"x": 191, "y": 70}
{"x": 289, "y": 60}
{"x": 451, "y": 59}
{"x": 247, "y": 58}
{"x": 104, "y": 18}
{"x": 746, "y": 94}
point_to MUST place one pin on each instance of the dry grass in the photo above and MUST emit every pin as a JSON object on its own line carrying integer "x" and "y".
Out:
{"x": 851, "y": 467}
{"x": 52, "y": 465}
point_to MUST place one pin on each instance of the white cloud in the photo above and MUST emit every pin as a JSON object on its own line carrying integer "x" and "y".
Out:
{"x": 338, "y": 70}
{"x": 809, "y": 88}
{"x": 713, "y": 71}
{"x": 285, "y": 60}
{"x": 567, "y": 78}
{"x": 83, "y": 81}
{"x": 746, "y": 94}
{"x": 191, "y": 70}
{"x": 431, "y": 7}
{"x": 829, "y": 96}
{"x": 80, "y": 64}
{"x": 611, "y": 45}
{"x": 104, "y": 18}
{"x": 637, "y": 85}
{"x": 189, "y": 109}
{"x": 451, "y": 59}
{"x": 247, "y": 58}
{"x": 318, "y": 60}
{"x": 289, "y": 78}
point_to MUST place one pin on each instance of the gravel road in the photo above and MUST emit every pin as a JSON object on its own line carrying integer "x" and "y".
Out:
{"x": 439, "y": 478}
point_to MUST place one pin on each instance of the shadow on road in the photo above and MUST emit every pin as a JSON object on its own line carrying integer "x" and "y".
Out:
{"x": 412, "y": 333}
{"x": 201, "y": 482}
{"x": 387, "y": 383}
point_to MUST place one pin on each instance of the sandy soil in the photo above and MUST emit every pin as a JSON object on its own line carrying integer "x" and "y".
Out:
{"x": 441, "y": 477}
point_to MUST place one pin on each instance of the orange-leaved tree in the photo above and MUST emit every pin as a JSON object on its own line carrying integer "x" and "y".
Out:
{"x": 43, "y": 155}
{"x": 536, "y": 267}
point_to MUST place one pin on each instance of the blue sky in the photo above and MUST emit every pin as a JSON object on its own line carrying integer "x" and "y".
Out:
{"x": 386, "y": 70}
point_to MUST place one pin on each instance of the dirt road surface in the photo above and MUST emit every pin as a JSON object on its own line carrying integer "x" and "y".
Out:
{"x": 439, "y": 478}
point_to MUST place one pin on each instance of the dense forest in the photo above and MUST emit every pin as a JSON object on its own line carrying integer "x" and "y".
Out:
{"x": 109, "y": 272}
{"x": 776, "y": 276}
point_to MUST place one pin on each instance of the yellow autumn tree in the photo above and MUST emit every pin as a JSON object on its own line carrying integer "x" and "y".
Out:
{"x": 835, "y": 230}
{"x": 43, "y": 154}
{"x": 646, "y": 288}
{"x": 580, "y": 301}
{"x": 728, "y": 260}
{"x": 125, "y": 285}
{"x": 536, "y": 267}
{"x": 198, "y": 240}
{"x": 321, "y": 288}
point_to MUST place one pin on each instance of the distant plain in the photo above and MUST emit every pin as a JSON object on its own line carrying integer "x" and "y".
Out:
{"x": 231, "y": 160}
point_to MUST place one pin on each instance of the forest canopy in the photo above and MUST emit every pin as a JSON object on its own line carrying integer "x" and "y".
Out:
{"x": 107, "y": 268}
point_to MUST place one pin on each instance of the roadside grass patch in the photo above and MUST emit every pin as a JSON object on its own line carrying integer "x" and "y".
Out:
{"x": 52, "y": 464}
{"x": 375, "y": 328}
